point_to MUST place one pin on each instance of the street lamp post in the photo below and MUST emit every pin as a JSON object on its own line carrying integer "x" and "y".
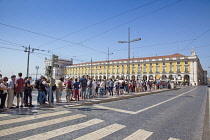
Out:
{"x": 129, "y": 41}
{"x": 37, "y": 68}
{"x": 108, "y": 64}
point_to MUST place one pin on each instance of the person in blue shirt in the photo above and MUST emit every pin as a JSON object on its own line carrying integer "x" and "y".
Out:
{"x": 76, "y": 90}
{"x": 117, "y": 87}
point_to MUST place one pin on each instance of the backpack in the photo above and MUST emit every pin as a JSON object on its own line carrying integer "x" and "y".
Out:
{"x": 84, "y": 83}
{"x": 69, "y": 84}
{"x": 36, "y": 84}
{"x": 54, "y": 88}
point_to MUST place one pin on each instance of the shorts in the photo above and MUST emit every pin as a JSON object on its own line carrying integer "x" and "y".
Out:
{"x": 69, "y": 92}
{"x": 19, "y": 94}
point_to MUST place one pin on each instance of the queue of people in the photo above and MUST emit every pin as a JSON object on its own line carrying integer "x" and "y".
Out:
{"x": 76, "y": 89}
{"x": 21, "y": 88}
{"x": 85, "y": 87}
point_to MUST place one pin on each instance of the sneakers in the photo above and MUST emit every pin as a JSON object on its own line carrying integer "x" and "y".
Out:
{"x": 21, "y": 106}
{"x": 31, "y": 105}
{"x": 17, "y": 106}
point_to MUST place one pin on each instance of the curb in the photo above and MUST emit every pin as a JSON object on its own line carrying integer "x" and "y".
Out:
{"x": 120, "y": 98}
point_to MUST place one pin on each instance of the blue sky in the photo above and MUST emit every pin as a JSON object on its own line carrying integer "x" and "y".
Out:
{"x": 172, "y": 27}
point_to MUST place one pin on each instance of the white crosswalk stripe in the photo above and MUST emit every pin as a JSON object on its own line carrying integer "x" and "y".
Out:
{"x": 99, "y": 134}
{"x": 64, "y": 130}
{"x": 139, "y": 135}
{"x": 173, "y": 139}
{"x": 22, "y": 128}
{"x": 4, "y": 115}
{"x": 32, "y": 117}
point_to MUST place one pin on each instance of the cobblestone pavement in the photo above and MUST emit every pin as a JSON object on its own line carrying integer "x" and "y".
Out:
{"x": 167, "y": 115}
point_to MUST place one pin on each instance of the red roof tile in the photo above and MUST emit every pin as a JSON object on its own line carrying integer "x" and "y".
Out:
{"x": 141, "y": 58}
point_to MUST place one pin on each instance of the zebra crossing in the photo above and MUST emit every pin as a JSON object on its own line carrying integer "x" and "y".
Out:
{"x": 41, "y": 121}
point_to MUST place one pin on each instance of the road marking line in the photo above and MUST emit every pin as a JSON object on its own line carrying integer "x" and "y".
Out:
{"x": 101, "y": 133}
{"x": 64, "y": 130}
{"x": 164, "y": 101}
{"x": 4, "y": 115}
{"x": 115, "y": 109}
{"x": 139, "y": 135}
{"x": 72, "y": 105}
{"x": 27, "y": 127}
{"x": 133, "y": 112}
{"x": 173, "y": 139}
{"x": 28, "y": 118}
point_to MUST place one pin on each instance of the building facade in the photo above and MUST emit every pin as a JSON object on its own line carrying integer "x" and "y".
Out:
{"x": 59, "y": 71}
{"x": 176, "y": 68}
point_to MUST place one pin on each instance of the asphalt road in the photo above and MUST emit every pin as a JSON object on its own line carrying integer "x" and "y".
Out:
{"x": 176, "y": 114}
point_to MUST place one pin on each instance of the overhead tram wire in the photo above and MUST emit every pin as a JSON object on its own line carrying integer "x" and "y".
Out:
{"x": 87, "y": 27}
{"x": 185, "y": 49}
{"x": 124, "y": 23}
{"x": 93, "y": 36}
{"x": 196, "y": 38}
{"x": 144, "y": 46}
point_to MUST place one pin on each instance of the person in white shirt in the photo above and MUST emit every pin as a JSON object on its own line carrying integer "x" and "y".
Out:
{"x": 11, "y": 85}
{"x": 94, "y": 84}
{"x": 102, "y": 87}
{"x": 3, "y": 92}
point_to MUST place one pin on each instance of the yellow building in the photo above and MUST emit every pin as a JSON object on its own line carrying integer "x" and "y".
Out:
{"x": 175, "y": 67}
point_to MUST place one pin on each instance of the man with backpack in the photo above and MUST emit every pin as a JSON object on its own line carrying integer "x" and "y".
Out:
{"x": 83, "y": 86}
{"x": 69, "y": 91}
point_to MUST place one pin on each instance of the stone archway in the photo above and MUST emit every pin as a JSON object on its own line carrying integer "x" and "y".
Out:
{"x": 104, "y": 77}
{"x": 113, "y": 77}
{"x": 186, "y": 78}
{"x": 118, "y": 77}
{"x": 133, "y": 77}
{"x": 179, "y": 77}
{"x": 100, "y": 77}
{"x": 96, "y": 77}
{"x": 164, "y": 77}
{"x": 151, "y": 77}
{"x": 144, "y": 77}
{"x": 170, "y": 77}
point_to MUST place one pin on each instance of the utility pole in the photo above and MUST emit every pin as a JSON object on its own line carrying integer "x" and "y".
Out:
{"x": 129, "y": 41}
{"x": 29, "y": 50}
{"x": 108, "y": 64}
{"x": 91, "y": 64}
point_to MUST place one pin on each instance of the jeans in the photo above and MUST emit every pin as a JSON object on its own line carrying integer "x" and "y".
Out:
{"x": 102, "y": 91}
{"x": 89, "y": 90}
{"x": 111, "y": 91}
{"x": 38, "y": 95}
{"x": 83, "y": 92}
{"x": 3, "y": 99}
{"x": 27, "y": 93}
{"x": 42, "y": 97}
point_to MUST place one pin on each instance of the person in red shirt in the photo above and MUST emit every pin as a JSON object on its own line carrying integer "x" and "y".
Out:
{"x": 19, "y": 90}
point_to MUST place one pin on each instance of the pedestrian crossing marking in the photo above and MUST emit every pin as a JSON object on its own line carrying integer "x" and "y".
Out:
{"x": 27, "y": 127}
{"x": 32, "y": 117}
{"x": 115, "y": 109}
{"x": 101, "y": 133}
{"x": 64, "y": 130}
{"x": 4, "y": 115}
{"x": 139, "y": 135}
{"x": 173, "y": 139}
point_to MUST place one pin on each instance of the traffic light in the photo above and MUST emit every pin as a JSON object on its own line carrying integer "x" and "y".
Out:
{"x": 54, "y": 61}
{"x": 48, "y": 70}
